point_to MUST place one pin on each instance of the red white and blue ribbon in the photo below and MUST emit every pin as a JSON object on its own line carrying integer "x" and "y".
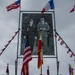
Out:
{"x": 63, "y": 42}
{"x": 9, "y": 42}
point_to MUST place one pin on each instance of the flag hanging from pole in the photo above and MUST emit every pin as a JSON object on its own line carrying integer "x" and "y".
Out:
{"x": 63, "y": 42}
{"x": 70, "y": 70}
{"x": 27, "y": 57}
{"x": 14, "y": 5}
{"x": 49, "y": 5}
{"x": 25, "y": 70}
{"x": 40, "y": 52}
{"x": 73, "y": 9}
{"x": 48, "y": 70}
{"x": 7, "y": 69}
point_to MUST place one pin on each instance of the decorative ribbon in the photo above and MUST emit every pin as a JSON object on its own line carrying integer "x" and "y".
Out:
{"x": 9, "y": 42}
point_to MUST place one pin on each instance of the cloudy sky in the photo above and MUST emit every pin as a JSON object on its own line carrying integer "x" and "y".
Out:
{"x": 65, "y": 25}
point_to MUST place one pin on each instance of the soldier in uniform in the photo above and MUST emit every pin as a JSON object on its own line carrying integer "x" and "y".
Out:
{"x": 43, "y": 27}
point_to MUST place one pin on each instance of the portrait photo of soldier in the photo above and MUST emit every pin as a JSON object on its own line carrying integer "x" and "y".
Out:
{"x": 37, "y": 23}
{"x": 43, "y": 28}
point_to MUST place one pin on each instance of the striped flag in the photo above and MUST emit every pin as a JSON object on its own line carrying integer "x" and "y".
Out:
{"x": 15, "y": 5}
{"x": 73, "y": 9}
{"x": 49, "y": 5}
{"x": 27, "y": 57}
{"x": 25, "y": 70}
{"x": 40, "y": 56}
{"x": 7, "y": 69}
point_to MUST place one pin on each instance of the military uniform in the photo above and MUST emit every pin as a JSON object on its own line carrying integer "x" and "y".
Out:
{"x": 43, "y": 28}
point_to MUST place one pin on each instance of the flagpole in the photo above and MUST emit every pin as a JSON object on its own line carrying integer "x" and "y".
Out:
{"x": 41, "y": 70}
{"x": 56, "y": 47}
{"x": 52, "y": 7}
{"x": 56, "y": 43}
{"x": 16, "y": 61}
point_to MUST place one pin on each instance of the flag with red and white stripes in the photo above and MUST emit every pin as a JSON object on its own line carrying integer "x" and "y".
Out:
{"x": 14, "y": 5}
{"x": 27, "y": 56}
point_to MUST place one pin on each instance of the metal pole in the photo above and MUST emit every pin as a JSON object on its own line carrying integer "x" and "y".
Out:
{"x": 41, "y": 70}
{"x": 15, "y": 67}
{"x": 16, "y": 62}
{"x": 56, "y": 45}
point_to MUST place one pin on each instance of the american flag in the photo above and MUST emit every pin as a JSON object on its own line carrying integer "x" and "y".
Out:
{"x": 15, "y": 5}
{"x": 27, "y": 56}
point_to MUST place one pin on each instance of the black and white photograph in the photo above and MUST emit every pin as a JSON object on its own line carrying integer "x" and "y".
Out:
{"x": 34, "y": 24}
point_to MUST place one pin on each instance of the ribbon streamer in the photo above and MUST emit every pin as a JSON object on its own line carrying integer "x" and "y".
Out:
{"x": 9, "y": 42}
{"x": 63, "y": 42}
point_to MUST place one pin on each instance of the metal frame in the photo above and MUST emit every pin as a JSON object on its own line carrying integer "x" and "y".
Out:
{"x": 17, "y": 57}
